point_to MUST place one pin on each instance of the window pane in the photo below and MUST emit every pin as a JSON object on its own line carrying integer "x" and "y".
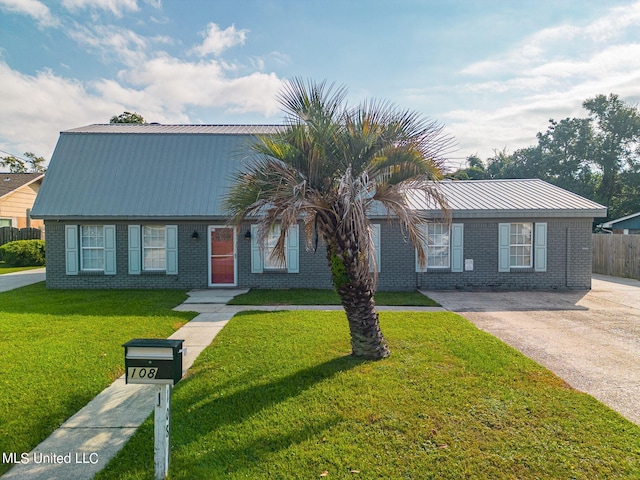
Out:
{"x": 438, "y": 245}
{"x": 520, "y": 235}
{"x": 154, "y": 247}
{"x": 92, "y": 236}
{"x": 272, "y": 240}
{"x": 93, "y": 259}
{"x": 92, "y": 247}
{"x": 154, "y": 259}
{"x": 154, "y": 236}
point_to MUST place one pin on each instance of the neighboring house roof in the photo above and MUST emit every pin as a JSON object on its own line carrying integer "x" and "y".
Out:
{"x": 630, "y": 221}
{"x": 10, "y": 182}
{"x": 152, "y": 171}
{"x": 523, "y": 198}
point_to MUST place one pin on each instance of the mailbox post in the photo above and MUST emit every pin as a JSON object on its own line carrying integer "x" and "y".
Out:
{"x": 157, "y": 362}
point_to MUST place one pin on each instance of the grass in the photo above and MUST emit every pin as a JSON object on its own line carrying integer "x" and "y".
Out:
{"x": 276, "y": 396}
{"x": 4, "y": 270}
{"x": 61, "y": 348}
{"x": 307, "y": 296}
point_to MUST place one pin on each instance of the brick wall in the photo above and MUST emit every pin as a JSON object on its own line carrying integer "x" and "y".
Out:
{"x": 568, "y": 261}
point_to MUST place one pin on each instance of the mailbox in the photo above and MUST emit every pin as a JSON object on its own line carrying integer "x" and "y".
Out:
{"x": 154, "y": 361}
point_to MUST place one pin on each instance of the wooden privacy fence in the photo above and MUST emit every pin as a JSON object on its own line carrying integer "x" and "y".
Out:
{"x": 617, "y": 255}
{"x": 10, "y": 234}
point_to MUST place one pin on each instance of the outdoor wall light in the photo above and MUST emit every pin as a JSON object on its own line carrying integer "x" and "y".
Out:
{"x": 248, "y": 234}
{"x": 195, "y": 235}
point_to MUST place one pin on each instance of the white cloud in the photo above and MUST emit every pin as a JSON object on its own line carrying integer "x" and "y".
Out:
{"x": 35, "y": 108}
{"x": 33, "y": 8}
{"x": 161, "y": 87}
{"x": 113, "y": 43}
{"x": 549, "y": 74}
{"x": 117, "y": 7}
{"x": 178, "y": 85}
{"x": 217, "y": 41}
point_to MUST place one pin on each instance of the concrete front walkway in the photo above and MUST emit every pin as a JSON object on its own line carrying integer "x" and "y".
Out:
{"x": 590, "y": 339}
{"x": 10, "y": 281}
{"x": 98, "y": 431}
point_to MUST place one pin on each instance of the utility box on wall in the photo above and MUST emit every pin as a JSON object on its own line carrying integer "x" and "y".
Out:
{"x": 153, "y": 361}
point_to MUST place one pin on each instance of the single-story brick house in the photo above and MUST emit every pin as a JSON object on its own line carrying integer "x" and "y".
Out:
{"x": 139, "y": 206}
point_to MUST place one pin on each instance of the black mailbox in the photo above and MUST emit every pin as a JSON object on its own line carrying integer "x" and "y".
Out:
{"x": 155, "y": 361}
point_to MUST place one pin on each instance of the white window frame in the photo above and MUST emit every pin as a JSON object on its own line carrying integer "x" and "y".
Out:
{"x": 90, "y": 235}
{"x": 3, "y": 219}
{"x": 519, "y": 246}
{"x": 431, "y": 245}
{"x": 154, "y": 248}
{"x": 269, "y": 262}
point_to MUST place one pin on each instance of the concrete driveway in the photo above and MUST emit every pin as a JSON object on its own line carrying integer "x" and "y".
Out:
{"x": 9, "y": 281}
{"x": 589, "y": 339}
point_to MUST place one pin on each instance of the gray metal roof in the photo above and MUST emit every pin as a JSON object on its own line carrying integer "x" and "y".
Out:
{"x": 125, "y": 171}
{"x": 522, "y": 198}
{"x": 146, "y": 171}
{"x": 157, "y": 128}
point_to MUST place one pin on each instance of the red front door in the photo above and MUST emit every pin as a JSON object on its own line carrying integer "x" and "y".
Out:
{"x": 222, "y": 249}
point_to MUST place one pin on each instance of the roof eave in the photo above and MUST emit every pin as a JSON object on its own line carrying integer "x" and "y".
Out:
{"x": 534, "y": 213}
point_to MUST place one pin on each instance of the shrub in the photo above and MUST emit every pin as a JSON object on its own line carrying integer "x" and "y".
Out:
{"x": 23, "y": 253}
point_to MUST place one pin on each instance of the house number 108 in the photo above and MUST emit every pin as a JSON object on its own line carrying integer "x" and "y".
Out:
{"x": 142, "y": 373}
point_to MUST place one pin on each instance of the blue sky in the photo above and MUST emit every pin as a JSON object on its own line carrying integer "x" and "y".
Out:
{"x": 493, "y": 72}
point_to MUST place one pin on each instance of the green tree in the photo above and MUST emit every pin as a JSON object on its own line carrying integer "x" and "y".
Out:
{"x": 14, "y": 164}
{"x": 36, "y": 164}
{"x": 616, "y": 137}
{"x": 127, "y": 117}
{"x": 329, "y": 167}
{"x": 475, "y": 170}
{"x": 31, "y": 163}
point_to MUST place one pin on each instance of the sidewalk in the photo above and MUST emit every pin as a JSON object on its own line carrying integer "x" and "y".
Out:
{"x": 9, "y": 281}
{"x": 84, "y": 444}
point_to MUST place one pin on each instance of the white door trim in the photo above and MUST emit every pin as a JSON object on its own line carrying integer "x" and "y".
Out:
{"x": 210, "y": 230}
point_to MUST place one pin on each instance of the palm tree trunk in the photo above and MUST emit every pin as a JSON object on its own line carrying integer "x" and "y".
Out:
{"x": 367, "y": 340}
{"x": 355, "y": 286}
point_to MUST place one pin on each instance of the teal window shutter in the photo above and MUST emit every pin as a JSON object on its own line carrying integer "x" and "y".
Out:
{"x": 540, "y": 249}
{"x": 256, "y": 254}
{"x": 457, "y": 247}
{"x": 71, "y": 249}
{"x": 171, "y": 249}
{"x": 293, "y": 249}
{"x": 504, "y": 247}
{"x": 109, "y": 249}
{"x": 135, "y": 250}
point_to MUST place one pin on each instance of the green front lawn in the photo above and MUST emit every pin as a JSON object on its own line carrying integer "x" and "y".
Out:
{"x": 276, "y": 396}
{"x": 59, "y": 349}
{"x": 308, "y": 296}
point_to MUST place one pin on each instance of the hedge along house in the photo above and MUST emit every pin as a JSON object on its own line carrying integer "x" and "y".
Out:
{"x": 140, "y": 206}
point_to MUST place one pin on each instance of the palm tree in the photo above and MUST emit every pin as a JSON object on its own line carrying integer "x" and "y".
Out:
{"x": 330, "y": 166}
